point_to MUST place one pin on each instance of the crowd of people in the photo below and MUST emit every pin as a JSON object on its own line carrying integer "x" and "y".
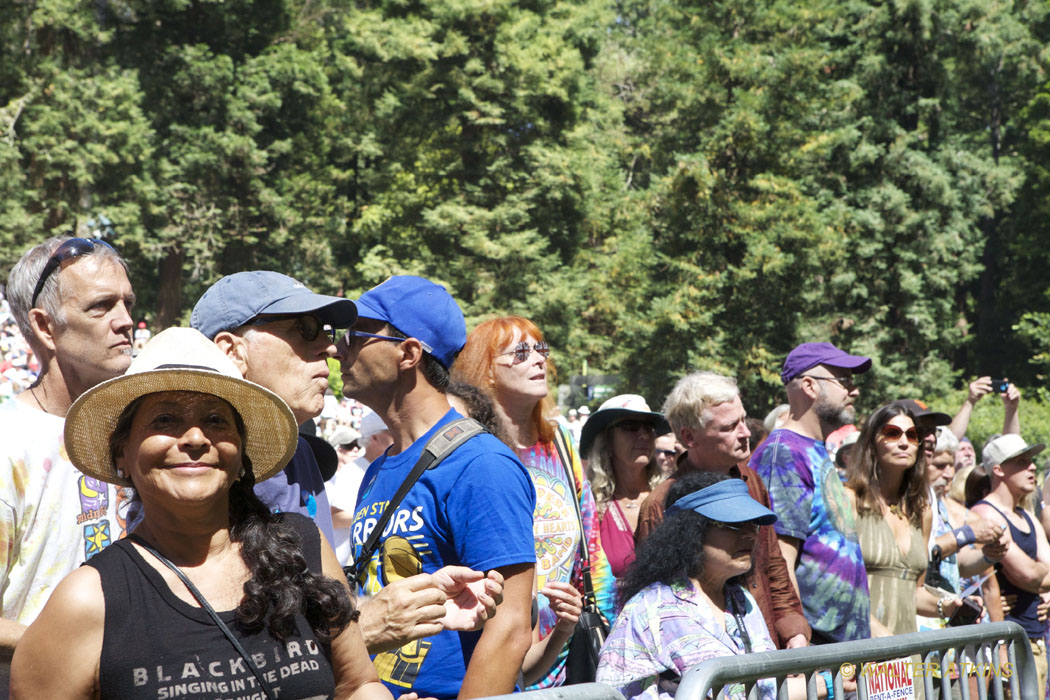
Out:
{"x": 440, "y": 530}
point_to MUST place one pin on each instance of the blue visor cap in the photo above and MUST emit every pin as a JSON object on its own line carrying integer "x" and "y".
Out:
{"x": 727, "y": 502}
{"x": 239, "y": 298}
{"x": 420, "y": 309}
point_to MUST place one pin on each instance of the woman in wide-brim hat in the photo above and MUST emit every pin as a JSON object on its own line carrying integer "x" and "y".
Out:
{"x": 619, "y": 441}
{"x": 211, "y": 594}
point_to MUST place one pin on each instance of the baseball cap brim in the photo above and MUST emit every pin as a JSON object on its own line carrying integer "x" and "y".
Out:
{"x": 334, "y": 311}
{"x": 726, "y": 501}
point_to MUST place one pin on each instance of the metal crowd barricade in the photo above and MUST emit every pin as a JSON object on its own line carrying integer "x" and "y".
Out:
{"x": 975, "y": 649}
{"x": 976, "y": 653}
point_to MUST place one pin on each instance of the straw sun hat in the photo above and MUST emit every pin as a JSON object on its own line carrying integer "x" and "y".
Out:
{"x": 180, "y": 359}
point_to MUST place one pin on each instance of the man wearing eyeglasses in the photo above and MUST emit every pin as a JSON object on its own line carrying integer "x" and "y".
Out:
{"x": 474, "y": 509}
{"x": 815, "y": 523}
{"x": 280, "y": 335}
{"x": 72, "y": 300}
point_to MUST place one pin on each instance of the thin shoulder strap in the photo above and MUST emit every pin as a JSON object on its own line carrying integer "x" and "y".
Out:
{"x": 566, "y": 463}
{"x": 440, "y": 445}
{"x": 208, "y": 609}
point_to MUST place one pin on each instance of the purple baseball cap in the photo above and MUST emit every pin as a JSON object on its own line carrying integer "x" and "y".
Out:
{"x": 809, "y": 355}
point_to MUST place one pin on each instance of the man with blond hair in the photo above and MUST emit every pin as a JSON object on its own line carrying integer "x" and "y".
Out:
{"x": 707, "y": 416}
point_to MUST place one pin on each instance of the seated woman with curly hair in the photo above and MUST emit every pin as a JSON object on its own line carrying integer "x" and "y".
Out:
{"x": 684, "y": 602}
{"x": 140, "y": 620}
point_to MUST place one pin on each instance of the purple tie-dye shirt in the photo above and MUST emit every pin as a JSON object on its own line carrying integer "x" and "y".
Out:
{"x": 812, "y": 506}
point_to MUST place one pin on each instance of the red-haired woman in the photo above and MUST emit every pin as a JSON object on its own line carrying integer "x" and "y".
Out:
{"x": 509, "y": 359}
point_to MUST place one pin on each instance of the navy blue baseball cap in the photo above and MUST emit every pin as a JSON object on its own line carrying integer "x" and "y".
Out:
{"x": 420, "y": 309}
{"x": 809, "y": 355}
{"x": 238, "y": 298}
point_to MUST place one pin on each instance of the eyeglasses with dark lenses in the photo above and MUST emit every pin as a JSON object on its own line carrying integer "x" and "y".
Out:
{"x": 350, "y": 335}
{"x": 308, "y": 326}
{"x": 892, "y": 432}
{"x": 751, "y": 528}
{"x": 73, "y": 248}
{"x": 633, "y": 426}
{"x": 522, "y": 351}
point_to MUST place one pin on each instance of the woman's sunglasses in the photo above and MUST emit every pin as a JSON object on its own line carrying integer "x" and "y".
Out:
{"x": 892, "y": 432}
{"x": 522, "y": 351}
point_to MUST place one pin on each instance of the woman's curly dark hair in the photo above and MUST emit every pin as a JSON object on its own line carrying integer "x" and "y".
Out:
{"x": 673, "y": 551}
{"x": 281, "y": 585}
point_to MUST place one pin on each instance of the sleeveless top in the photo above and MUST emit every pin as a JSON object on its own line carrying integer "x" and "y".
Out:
{"x": 892, "y": 576}
{"x": 159, "y": 646}
{"x": 617, "y": 538}
{"x": 1024, "y": 611}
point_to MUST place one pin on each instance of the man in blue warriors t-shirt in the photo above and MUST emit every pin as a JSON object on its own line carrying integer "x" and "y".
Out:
{"x": 474, "y": 509}
{"x": 815, "y": 522}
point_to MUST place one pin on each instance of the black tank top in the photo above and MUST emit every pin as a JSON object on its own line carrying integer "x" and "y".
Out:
{"x": 157, "y": 646}
{"x": 1024, "y": 611}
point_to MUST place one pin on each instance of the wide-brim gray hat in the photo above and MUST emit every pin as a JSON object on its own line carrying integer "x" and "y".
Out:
{"x": 180, "y": 359}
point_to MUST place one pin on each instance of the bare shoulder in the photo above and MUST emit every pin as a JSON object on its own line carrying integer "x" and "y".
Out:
{"x": 58, "y": 656}
{"x": 985, "y": 510}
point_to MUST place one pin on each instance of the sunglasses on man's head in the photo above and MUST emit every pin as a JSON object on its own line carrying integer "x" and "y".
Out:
{"x": 72, "y": 248}
{"x": 308, "y": 326}
{"x": 892, "y": 432}
{"x": 522, "y": 351}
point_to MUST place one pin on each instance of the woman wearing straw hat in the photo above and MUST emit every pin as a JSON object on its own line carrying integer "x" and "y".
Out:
{"x": 140, "y": 620}
{"x": 619, "y": 441}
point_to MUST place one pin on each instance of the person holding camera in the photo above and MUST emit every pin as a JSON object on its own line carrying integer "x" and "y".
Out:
{"x": 981, "y": 387}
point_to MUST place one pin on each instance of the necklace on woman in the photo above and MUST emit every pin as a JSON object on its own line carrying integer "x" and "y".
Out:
{"x": 630, "y": 503}
{"x": 32, "y": 391}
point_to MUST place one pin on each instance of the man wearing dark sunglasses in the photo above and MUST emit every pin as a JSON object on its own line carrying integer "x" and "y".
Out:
{"x": 815, "y": 525}
{"x": 473, "y": 510}
{"x": 72, "y": 300}
{"x": 280, "y": 335}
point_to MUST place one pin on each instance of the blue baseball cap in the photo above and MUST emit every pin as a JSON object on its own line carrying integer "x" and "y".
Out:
{"x": 420, "y": 309}
{"x": 727, "y": 501}
{"x": 238, "y": 298}
{"x": 809, "y": 355}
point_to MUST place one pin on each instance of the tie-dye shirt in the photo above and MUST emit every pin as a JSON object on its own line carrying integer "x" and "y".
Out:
{"x": 664, "y": 630}
{"x": 557, "y": 536}
{"x": 812, "y": 506}
{"x": 52, "y": 517}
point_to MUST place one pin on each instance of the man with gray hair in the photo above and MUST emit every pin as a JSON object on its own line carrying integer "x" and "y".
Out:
{"x": 707, "y": 416}
{"x": 72, "y": 300}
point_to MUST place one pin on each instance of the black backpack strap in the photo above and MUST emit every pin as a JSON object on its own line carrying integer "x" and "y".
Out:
{"x": 441, "y": 445}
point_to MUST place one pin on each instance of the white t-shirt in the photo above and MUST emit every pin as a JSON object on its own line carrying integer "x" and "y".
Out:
{"x": 341, "y": 490}
{"x": 52, "y": 517}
